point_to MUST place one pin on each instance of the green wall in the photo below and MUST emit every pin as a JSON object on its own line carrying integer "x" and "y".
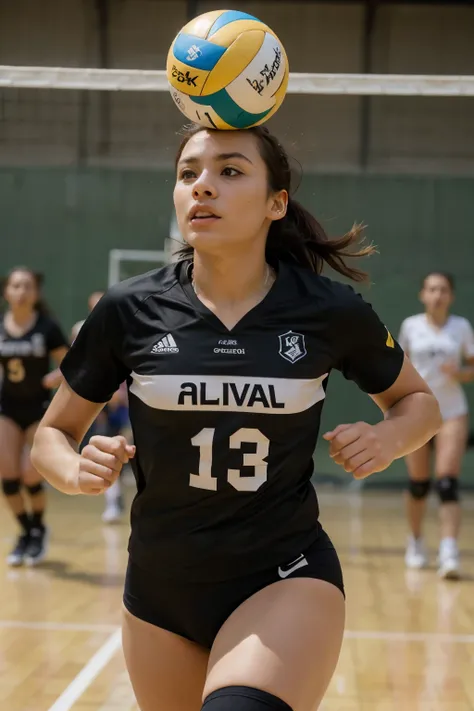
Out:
{"x": 64, "y": 222}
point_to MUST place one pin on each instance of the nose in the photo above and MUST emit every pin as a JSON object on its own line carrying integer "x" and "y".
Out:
{"x": 204, "y": 187}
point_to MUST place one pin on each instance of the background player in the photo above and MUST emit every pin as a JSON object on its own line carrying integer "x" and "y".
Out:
{"x": 226, "y": 549}
{"x": 441, "y": 347}
{"x": 92, "y": 302}
{"x": 110, "y": 422}
{"x": 28, "y": 337}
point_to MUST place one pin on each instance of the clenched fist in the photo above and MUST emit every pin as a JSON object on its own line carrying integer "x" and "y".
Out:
{"x": 101, "y": 462}
{"x": 360, "y": 448}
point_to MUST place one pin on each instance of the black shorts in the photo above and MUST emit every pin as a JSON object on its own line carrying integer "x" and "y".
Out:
{"x": 198, "y": 610}
{"x": 24, "y": 413}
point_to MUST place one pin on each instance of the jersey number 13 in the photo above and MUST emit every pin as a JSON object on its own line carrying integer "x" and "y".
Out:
{"x": 204, "y": 440}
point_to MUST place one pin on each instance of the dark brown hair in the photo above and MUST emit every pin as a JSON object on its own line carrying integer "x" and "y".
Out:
{"x": 446, "y": 275}
{"x": 298, "y": 237}
{"x": 40, "y": 306}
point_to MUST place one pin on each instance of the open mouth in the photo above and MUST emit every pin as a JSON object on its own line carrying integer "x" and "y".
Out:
{"x": 203, "y": 217}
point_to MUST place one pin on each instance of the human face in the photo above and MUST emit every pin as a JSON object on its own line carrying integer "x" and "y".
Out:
{"x": 21, "y": 291}
{"x": 222, "y": 176}
{"x": 436, "y": 294}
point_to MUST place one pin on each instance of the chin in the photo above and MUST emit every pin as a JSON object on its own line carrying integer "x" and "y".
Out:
{"x": 206, "y": 240}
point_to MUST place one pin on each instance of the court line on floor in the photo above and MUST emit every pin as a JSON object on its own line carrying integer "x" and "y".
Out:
{"x": 88, "y": 673}
{"x": 387, "y": 635}
{"x": 56, "y": 626}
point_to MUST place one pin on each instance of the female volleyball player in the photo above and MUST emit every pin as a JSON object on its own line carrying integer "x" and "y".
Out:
{"x": 28, "y": 337}
{"x": 441, "y": 347}
{"x": 234, "y": 593}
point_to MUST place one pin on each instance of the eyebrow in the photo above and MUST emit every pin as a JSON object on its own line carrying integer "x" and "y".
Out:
{"x": 220, "y": 157}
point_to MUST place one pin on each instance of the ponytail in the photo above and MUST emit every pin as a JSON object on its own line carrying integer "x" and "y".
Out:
{"x": 41, "y": 305}
{"x": 300, "y": 238}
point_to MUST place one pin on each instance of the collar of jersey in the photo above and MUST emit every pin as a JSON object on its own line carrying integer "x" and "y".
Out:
{"x": 273, "y": 297}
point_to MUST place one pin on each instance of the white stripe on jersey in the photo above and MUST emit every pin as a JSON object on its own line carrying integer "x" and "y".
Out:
{"x": 207, "y": 393}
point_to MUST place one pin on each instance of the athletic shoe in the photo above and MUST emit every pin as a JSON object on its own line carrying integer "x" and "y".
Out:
{"x": 415, "y": 555}
{"x": 17, "y": 556}
{"x": 37, "y": 546}
{"x": 448, "y": 560}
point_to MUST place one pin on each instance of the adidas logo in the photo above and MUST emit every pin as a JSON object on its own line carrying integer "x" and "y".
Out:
{"x": 166, "y": 345}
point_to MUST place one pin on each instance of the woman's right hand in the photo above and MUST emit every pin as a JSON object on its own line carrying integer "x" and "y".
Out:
{"x": 101, "y": 462}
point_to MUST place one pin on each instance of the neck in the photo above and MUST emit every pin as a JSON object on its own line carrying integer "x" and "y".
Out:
{"x": 21, "y": 317}
{"x": 437, "y": 319}
{"x": 231, "y": 279}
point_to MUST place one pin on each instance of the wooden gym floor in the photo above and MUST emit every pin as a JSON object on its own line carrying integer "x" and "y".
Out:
{"x": 410, "y": 637}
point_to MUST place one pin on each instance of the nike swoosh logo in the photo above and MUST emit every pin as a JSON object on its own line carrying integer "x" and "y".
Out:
{"x": 300, "y": 562}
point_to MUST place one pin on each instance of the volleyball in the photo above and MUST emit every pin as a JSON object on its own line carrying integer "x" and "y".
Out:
{"x": 227, "y": 70}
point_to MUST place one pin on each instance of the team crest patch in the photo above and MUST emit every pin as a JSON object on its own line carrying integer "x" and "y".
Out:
{"x": 292, "y": 346}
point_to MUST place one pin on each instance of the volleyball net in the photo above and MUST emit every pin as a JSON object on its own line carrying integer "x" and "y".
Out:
{"x": 300, "y": 82}
{"x": 345, "y": 122}
{"x": 357, "y": 137}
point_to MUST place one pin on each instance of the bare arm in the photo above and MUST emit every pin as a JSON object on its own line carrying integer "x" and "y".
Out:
{"x": 466, "y": 373}
{"x": 54, "y": 379}
{"x": 55, "y": 448}
{"x": 411, "y": 412}
{"x": 463, "y": 374}
{"x": 411, "y": 418}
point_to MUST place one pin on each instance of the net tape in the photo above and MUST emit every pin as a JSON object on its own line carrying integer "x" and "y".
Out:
{"x": 300, "y": 83}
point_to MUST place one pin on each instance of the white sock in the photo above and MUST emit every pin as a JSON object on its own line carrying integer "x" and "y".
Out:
{"x": 448, "y": 545}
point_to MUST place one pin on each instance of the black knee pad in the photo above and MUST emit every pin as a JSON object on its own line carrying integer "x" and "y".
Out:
{"x": 243, "y": 698}
{"x": 448, "y": 489}
{"x": 419, "y": 489}
{"x": 11, "y": 487}
{"x": 35, "y": 489}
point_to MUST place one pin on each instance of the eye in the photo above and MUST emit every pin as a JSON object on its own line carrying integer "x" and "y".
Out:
{"x": 231, "y": 172}
{"x": 187, "y": 174}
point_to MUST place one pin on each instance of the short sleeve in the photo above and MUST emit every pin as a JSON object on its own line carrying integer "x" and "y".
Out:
{"x": 55, "y": 338}
{"x": 468, "y": 340}
{"x": 370, "y": 356}
{"x": 93, "y": 367}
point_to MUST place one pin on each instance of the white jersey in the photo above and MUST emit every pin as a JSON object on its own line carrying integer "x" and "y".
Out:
{"x": 430, "y": 347}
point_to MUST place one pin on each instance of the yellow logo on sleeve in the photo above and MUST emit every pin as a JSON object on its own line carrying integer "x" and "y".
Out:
{"x": 390, "y": 343}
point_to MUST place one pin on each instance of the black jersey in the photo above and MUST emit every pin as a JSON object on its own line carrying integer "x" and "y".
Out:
{"x": 25, "y": 360}
{"x": 225, "y": 421}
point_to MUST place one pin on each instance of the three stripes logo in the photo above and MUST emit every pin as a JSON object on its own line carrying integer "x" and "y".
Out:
{"x": 166, "y": 345}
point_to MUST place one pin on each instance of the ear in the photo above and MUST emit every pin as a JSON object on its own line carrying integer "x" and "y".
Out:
{"x": 277, "y": 205}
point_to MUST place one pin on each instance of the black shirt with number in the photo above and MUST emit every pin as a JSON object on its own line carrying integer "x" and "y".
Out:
{"x": 225, "y": 421}
{"x": 25, "y": 360}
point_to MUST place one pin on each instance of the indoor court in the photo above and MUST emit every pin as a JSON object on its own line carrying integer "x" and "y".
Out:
{"x": 409, "y": 642}
{"x": 378, "y": 123}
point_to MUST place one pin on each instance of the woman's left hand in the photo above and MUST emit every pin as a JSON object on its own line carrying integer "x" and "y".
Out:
{"x": 362, "y": 449}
